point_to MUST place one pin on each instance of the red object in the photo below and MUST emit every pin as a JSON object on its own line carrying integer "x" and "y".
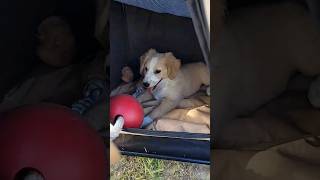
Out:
{"x": 53, "y": 140}
{"x": 128, "y": 107}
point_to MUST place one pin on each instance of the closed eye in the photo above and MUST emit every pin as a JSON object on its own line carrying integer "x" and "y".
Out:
{"x": 157, "y": 71}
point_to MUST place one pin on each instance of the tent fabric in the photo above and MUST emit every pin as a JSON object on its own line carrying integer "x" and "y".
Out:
{"x": 134, "y": 30}
{"x": 174, "y": 7}
{"x": 200, "y": 13}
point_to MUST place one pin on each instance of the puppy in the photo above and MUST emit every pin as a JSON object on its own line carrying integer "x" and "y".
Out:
{"x": 167, "y": 82}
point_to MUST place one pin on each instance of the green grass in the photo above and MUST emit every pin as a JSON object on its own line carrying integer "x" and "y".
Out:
{"x": 141, "y": 168}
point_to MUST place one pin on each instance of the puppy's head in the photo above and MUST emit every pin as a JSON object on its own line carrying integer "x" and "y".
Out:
{"x": 156, "y": 66}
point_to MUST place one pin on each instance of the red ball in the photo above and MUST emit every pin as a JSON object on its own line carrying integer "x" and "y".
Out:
{"x": 53, "y": 140}
{"x": 128, "y": 107}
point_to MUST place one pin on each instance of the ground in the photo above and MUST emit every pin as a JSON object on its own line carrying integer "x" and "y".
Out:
{"x": 140, "y": 168}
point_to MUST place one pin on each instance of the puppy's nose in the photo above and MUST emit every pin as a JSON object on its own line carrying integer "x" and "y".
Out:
{"x": 145, "y": 84}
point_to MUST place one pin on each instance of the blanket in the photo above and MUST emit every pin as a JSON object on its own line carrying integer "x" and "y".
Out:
{"x": 298, "y": 159}
{"x": 61, "y": 86}
{"x": 191, "y": 115}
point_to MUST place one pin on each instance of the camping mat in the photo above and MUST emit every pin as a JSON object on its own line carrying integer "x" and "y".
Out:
{"x": 191, "y": 115}
{"x": 295, "y": 160}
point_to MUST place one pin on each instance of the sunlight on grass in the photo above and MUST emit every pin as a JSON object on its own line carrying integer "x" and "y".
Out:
{"x": 148, "y": 168}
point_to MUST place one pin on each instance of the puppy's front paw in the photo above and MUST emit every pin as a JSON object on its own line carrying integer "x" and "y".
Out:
{"x": 147, "y": 120}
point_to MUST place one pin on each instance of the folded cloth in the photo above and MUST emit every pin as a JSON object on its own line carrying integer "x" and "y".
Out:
{"x": 164, "y": 124}
{"x": 175, "y": 7}
{"x": 199, "y": 115}
{"x": 192, "y": 120}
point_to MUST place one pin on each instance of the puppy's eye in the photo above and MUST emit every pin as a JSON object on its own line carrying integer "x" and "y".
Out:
{"x": 157, "y": 71}
{"x": 146, "y": 69}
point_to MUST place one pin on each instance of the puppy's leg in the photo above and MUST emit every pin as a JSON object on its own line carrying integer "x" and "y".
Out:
{"x": 146, "y": 96}
{"x": 165, "y": 106}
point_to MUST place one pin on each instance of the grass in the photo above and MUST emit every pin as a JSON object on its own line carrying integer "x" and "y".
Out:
{"x": 141, "y": 168}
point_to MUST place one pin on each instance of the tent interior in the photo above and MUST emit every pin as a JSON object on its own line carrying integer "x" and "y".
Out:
{"x": 266, "y": 90}
{"x": 27, "y": 79}
{"x": 134, "y": 29}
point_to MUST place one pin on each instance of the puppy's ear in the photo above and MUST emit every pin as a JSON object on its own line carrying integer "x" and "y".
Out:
{"x": 114, "y": 153}
{"x": 173, "y": 65}
{"x": 144, "y": 58}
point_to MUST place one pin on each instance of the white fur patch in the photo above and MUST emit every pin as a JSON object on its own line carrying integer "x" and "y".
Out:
{"x": 150, "y": 77}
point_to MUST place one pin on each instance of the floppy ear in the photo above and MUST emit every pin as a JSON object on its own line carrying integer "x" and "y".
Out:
{"x": 173, "y": 65}
{"x": 144, "y": 57}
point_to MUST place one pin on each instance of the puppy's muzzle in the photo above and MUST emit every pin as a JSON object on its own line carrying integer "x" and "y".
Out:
{"x": 146, "y": 84}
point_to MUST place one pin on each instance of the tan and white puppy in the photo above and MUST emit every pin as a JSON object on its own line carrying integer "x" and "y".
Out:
{"x": 168, "y": 82}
